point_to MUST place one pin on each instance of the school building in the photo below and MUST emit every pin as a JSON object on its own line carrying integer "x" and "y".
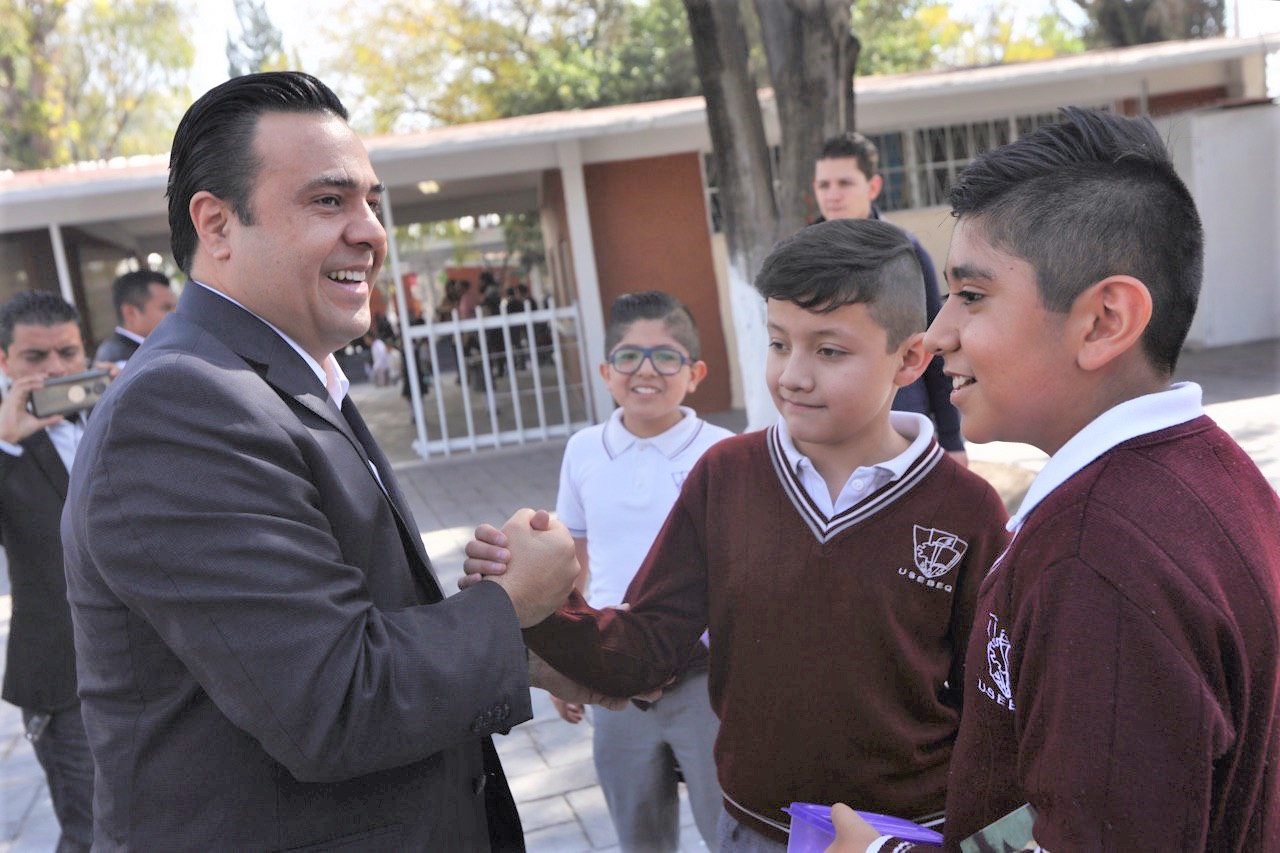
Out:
{"x": 627, "y": 200}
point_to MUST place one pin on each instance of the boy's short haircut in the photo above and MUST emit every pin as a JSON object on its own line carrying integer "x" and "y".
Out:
{"x": 1093, "y": 196}
{"x": 629, "y": 308}
{"x": 857, "y": 146}
{"x": 850, "y": 261}
{"x": 34, "y": 308}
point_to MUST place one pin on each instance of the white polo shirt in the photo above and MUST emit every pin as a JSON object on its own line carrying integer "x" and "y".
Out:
{"x": 915, "y": 428}
{"x": 616, "y": 490}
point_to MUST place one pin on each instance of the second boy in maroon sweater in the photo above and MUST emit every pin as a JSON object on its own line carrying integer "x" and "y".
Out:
{"x": 835, "y": 558}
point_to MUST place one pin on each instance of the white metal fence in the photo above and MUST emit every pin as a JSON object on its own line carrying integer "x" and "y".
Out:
{"x": 508, "y": 378}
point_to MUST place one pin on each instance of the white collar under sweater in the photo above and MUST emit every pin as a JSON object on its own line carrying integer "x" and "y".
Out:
{"x": 1132, "y": 418}
{"x": 809, "y": 493}
{"x": 671, "y": 443}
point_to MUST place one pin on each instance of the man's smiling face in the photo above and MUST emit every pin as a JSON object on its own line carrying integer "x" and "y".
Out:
{"x": 308, "y": 262}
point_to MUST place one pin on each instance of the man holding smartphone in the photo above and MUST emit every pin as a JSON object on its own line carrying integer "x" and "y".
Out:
{"x": 40, "y": 340}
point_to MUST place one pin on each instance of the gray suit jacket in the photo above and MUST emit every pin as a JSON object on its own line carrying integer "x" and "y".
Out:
{"x": 265, "y": 657}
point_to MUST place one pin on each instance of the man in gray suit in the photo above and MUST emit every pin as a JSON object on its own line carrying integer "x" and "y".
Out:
{"x": 265, "y": 657}
{"x": 142, "y": 299}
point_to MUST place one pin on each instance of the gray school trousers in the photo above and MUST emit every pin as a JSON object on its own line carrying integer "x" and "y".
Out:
{"x": 636, "y": 753}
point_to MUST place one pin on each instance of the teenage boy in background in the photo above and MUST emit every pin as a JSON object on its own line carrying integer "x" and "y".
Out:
{"x": 1122, "y": 673}
{"x": 846, "y": 183}
{"x": 835, "y": 557}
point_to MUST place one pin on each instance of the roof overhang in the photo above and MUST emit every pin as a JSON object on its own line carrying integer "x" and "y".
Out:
{"x": 496, "y": 166}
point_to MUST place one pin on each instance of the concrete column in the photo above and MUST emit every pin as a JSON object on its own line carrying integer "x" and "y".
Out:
{"x": 408, "y": 348}
{"x": 585, "y": 276}
{"x": 64, "y": 271}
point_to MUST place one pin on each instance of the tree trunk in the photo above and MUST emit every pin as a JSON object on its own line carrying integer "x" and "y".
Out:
{"x": 807, "y": 43}
{"x": 30, "y": 109}
{"x": 745, "y": 185}
{"x": 811, "y": 53}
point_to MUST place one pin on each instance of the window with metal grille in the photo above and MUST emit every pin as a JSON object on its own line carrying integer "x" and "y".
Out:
{"x": 918, "y": 165}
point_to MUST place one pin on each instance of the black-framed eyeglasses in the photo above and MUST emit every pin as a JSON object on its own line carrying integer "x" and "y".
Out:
{"x": 667, "y": 361}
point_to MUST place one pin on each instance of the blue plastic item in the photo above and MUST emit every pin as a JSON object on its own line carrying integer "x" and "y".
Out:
{"x": 812, "y": 830}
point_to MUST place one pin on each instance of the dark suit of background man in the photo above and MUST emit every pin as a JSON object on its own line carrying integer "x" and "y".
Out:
{"x": 142, "y": 299}
{"x": 39, "y": 339}
{"x": 265, "y": 657}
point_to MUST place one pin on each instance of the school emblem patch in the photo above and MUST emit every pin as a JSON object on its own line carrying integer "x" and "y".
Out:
{"x": 937, "y": 551}
{"x": 998, "y": 658}
{"x": 999, "y": 688}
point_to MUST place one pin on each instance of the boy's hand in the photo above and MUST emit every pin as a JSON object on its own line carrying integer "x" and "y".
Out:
{"x": 570, "y": 712}
{"x": 853, "y": 834}
{"x": 541, "y": 674}
{"x": 488, "y": 553}
{"x": 542, "y": 568}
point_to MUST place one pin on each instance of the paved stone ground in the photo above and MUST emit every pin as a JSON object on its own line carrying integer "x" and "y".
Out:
{"x": 547, "y": 760}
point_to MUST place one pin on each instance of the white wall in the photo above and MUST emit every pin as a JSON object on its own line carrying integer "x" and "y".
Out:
{"x": 1228, "y": 159}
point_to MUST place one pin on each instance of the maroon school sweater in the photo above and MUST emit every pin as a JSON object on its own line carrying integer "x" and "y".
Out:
{"x": 1122, "y": 674}
{"x": 836, "y": 644}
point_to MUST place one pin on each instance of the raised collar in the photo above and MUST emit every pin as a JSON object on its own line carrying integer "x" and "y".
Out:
{"x": 1132, "y": 418}
{"x": 128, "y": 335}
{"x": 618, "y": 439}
{"x": 918, "y": 428}
{"x": 907, "y": 468}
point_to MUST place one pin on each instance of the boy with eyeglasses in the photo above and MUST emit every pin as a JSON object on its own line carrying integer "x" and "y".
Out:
{"x": 835, "y": 558}
{"x": 618, "y": 481}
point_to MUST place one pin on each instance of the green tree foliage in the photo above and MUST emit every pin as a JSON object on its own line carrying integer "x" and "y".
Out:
{"x": 260, "y": 46}
{"x": 912, "y": 35}
{"x": 1119, "y": 23}
{"x": 641, "y": 52}
{"x": 31, "y": 134}
{"x": 91, "y": 79}
{"x": 894, "y": 34}
{"x": 451, "y": 61}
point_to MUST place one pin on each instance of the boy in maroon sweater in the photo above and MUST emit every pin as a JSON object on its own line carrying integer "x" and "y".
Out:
{"x": 1122, "y": 674}
{"x": 835, "y": 558}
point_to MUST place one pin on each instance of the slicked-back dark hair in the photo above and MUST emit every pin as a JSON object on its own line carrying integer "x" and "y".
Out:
{"x": 1093, "y": 196}
{"x": 134, "y": 288}
{"x": 857, "y": 146}
{"x": 34, "y": 308}
{"x": 629, "y": 308}
{"x": 213, "y": 146}
{"x": 850, "y": 261}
